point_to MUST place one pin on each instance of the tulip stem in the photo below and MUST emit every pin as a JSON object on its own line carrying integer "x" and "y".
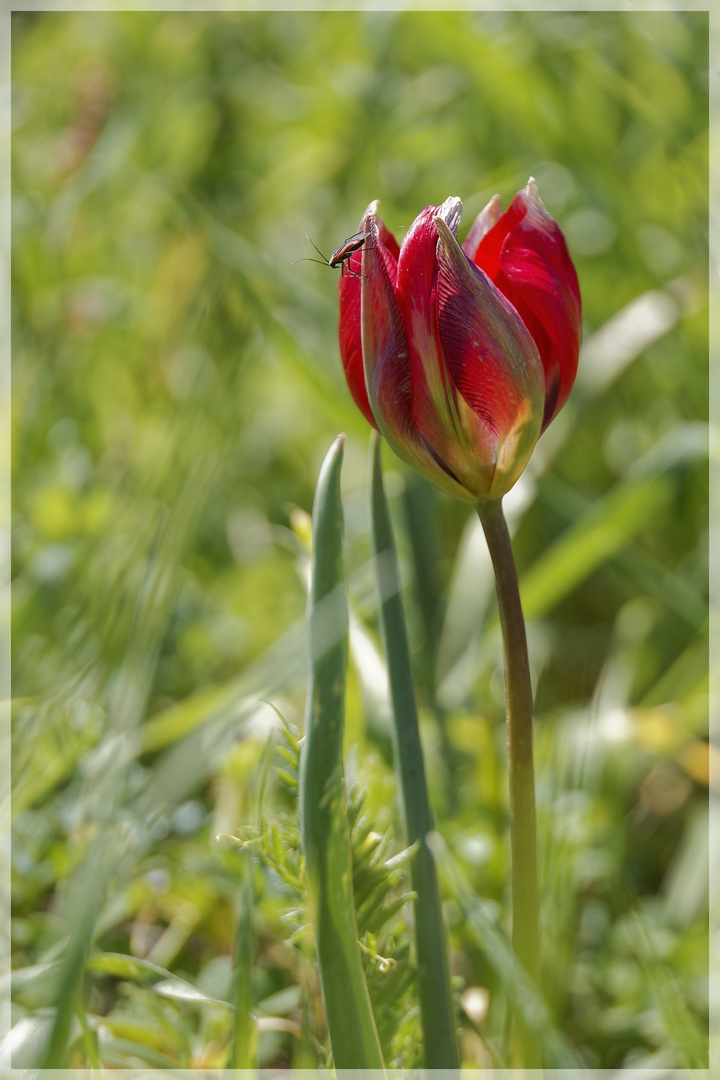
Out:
{"x": 518, "y": 711}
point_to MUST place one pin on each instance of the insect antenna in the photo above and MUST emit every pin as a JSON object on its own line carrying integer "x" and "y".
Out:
{"x": 306, "y": 259}
{"x": 326, "y": 261}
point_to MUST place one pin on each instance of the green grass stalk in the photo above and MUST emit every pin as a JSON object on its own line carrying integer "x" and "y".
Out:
{"x": 243, "y": 1050}
{"x": 436, "y": 1004}
{"x": 323, "y": 811}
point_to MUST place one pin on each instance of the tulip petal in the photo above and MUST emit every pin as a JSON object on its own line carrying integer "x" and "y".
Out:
{"x": 350, "y": 338}
{"x": 482, "y": 224}
{"x": 349, "y": 327}
{"x": 386, "y": 356}
{"x": 390, "y": 248}
{"x": 526, "y": 256}
{"x": 494, "y": 367}
{"x": 432, "y": 404}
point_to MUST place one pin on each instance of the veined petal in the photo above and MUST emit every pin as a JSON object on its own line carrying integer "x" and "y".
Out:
{"x": 350, "y": 338}
{"x": 495, "y": 371}
{"x": 526, "y": 256}
{"x": 432, "y": 405}
{"x": 349, "y": 327}
{"x": 386, "y": 356}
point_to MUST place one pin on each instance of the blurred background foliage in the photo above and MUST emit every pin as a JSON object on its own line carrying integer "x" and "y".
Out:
{"x": 176, "y": 383}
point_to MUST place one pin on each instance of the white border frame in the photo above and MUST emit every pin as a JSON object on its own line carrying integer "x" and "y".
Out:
{"x": 714, "y": 399}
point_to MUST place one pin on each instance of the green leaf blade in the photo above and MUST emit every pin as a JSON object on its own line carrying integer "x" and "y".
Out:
{"x": 436, "y": 1003}
{"x": 324, "y": 823}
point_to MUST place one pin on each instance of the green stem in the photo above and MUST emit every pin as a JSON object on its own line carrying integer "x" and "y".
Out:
{"x": 519, "y": 710}
{"x": 436, "y": 1004}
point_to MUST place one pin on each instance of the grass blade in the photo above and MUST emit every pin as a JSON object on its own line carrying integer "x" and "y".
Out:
{"x": 243, "y": 1046}
{"x": 323, "y": 809}
{"x": 599, "y": 535}
{"x": 436, "y": 1005}
{"x": 557, "y": 1051}
{"x": 162, "y": 982}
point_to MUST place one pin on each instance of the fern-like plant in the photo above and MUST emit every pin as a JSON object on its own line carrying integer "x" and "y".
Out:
{"x": 380, "y": 891}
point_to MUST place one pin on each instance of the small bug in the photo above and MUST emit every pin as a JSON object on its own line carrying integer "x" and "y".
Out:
{"x": 342, "y": 256}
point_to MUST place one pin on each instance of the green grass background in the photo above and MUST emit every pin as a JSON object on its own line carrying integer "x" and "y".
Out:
{"x": 176, "y": 384}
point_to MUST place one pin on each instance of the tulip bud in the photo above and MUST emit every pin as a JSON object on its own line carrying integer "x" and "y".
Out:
{"x": 460, "y": 356}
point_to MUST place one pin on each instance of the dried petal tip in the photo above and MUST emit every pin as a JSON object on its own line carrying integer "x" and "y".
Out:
{"x": 531, "y": 191}
{"x": 450, "y": 213}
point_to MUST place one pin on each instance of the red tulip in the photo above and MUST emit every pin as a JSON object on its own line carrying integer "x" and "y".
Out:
{"x": 461, "y": 356}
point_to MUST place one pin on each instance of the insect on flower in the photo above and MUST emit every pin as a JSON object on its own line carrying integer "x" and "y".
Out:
{"x": 461, "y": 355}
{"x": 343, "y": 255}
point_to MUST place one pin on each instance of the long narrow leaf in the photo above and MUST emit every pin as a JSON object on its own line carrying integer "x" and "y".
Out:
{"x": 243, "y": 1045}
{"x": 602, "y": 532}
{"x": 324, "y": 823}
{"x": 436, "y": 1005}
{"x": 145, "y": 973}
